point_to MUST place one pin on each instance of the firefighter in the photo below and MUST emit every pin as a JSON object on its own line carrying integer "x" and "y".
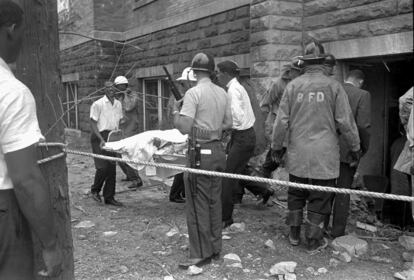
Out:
{"x": 313, "y": 108}
{"x": 205, "y": 113}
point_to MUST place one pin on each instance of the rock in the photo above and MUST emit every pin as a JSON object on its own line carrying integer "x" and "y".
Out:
{"x": 85, "y": 224}
{"x": 289, "y": 276}
{"x": 333, "y": 262}
{"x": 246, "y": 270}
{"x": 226, "y": 237}
{"x": 269, "y": 243}
{"x": 109, "y": 233}
{"x": 345, "y": 257}
{"x": 407, "y": 242}
{"x": 283, "y": 268}
{"x": 123, "y": 269}
{"x": 81, "y": 237}
{"x": 169, "y": 277}
{"x": 184, "y": 247}
{"x": 350, "y": 244}
{"x": 381, "y": 259}
{"x": 231, "y": 258}
{"x": 237, "y": 227}
{"x": 408, "y": 257}
{"x": 405, "y": 275}
{"x": 322, "y": 270}
{"x": 266, "y": 274}
{"x": 172, "y": 232}
{"x": 236, "y": 264}
{"x": 311, "y": 270}
{"x": 367, "y": 227}
{"x": 408, "y": 266}
{"x": 249, "y": 256}
{"x": 194, "y": 270}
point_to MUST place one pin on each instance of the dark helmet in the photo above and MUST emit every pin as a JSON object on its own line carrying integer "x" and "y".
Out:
{"x": 314, "y": 51}
{"x": 330, "y": 60}
{"x": 203, "y": 62}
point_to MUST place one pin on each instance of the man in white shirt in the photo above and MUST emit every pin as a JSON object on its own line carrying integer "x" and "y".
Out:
{"x": 105, "y": 116}
{"x": 24, "y": 196}
{"x": 242, "y": 141}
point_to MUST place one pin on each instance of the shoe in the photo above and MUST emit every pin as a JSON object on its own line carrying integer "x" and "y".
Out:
{"x": 96, "y": 196}
{"x": 294, "y": 235}
{"x": 317, "y": 245}
{"x": 196, "y": 262}
{"x": 267, "y": 195}
{"x": 135, "y": 185}
{"x": 177, "y": 200}
{"x": 113, "y": 202}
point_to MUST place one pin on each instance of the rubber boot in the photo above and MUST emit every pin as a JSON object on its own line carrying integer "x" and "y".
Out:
{"x": 314, "y": 232}
{"x": 294, "y": 220}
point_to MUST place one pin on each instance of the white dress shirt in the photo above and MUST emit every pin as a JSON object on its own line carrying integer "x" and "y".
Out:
{"x": 106, "y": 114}
{"x": 19, "y": 127}
{"x": 241, "y": 108}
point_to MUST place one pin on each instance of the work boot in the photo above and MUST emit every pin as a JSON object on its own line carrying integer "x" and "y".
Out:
{"x": 294, "y": 220}
{"x": 317, "y": 245}
{"x": 314, "y": 232}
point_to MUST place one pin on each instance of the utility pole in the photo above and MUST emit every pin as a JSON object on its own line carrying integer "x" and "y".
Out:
{"x": 38, "y": 68}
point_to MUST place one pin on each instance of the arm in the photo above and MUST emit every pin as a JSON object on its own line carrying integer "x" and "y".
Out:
{"x": 32, "y": 194}
{"x": 344, "y": 119}
{"x": 228, "y": 119}
{"x": 363, "y": 121}
{"x": 281, "y": 123}
{"x": 94, "y": 126}
{"x": 236, "y": 106}
{"x": 184, "y": 117}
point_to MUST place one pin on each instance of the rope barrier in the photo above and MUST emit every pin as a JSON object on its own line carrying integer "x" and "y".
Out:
{"x": 249, "y": 178}
{"x": 41, "y": 161}
{"x": 52, "y": 144}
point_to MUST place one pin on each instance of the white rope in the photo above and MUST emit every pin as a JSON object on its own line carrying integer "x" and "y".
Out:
{"x": 41, "y": 161}
{"x": 52, "y": 144}
{"x": 248, "y": 178}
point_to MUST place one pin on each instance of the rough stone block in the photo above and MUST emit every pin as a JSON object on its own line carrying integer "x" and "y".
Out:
{"x": 324, "y": 34}
{"x": 242, "y": 36}
{"x": 260, "y": 9}
{"x": 204, "y": 22}
{"x": 203, "y": 44}
{"x": 285, "y": 23}
{"x": 407, "y": 242}
{"x": 352, "y": 245}
{"x": 353, "y": 30}
{"x": 276, "y": 37}
{"x": 405, "y": 6}
{"x": 231, "y": 27}
{"x": 275, "y": 52}
{"x": 265, "y": 69}
{"x": 220, "y": 40}
{"x": 220, "y": 18}
{"x": 259, "y": 24}
{"x": 243, "y": 12}
{"x": 395, "y": 24}
{"x": 319, "y": 7}
{"x": 211, "y": 31}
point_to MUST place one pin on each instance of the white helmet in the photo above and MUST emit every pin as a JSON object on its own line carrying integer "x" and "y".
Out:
{"x": 187, "y": 75}
{"x": 120, "y": 80}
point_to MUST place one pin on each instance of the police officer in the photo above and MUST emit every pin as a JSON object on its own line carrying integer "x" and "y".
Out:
{"x": 312, "y": 109}
{"x": 270, "y": 105}
{"x": 204, "y": 114}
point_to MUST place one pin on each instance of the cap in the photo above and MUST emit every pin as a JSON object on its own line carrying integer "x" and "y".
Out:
{"x": 187, "y": 75}
{"x": 228, "y": 66}
{"x": 120, "y": 80}
{"x": 203, "y": 62}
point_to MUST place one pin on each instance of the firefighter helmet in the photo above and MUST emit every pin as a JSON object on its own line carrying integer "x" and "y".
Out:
{"x": 314, "y": 52}
{"x": 330, "y": 60}
{"x": 203, "y": 62}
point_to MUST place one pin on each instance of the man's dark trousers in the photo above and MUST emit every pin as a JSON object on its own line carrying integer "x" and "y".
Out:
{"x": 16, "y": 247}
{"x": 240, "y": 150}
{"x": 340, "y": 209}
{"x": 177, "y": 187}
{"x": 105, "y": 174}
{"x": 131, "y": 173}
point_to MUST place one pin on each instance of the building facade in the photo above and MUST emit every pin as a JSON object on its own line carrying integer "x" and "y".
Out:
{"x": 260, "y": 35}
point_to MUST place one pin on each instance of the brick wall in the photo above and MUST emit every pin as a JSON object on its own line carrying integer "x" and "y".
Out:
{"x": 276, "y": 36}
{"x": 110, "y": 15}
{"x": 223, "y": 34}
{"x": 331, "y": 20}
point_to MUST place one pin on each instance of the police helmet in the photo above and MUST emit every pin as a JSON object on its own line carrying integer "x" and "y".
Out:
{"x": 203, "y": 62}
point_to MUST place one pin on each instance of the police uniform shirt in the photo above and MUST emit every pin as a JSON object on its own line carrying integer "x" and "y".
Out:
{"x": 19, "y": 127}
{"x": 106, "y": 114}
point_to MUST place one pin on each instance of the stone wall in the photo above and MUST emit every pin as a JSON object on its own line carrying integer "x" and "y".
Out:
{"x": 275, "y": 37}
{"x": 332, "y": 20}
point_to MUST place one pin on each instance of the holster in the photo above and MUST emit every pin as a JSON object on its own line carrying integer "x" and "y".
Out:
{"x": 314, "y": 226}
{"x": 294, "y": 218}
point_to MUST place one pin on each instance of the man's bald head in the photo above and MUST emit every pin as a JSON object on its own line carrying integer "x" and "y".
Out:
{"x": 356, "y": 77}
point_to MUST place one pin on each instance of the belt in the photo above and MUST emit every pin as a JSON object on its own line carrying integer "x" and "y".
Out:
{"x": 204, "y": 135}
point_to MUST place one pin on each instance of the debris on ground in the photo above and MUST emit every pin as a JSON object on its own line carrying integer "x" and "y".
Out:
{"x": 236, "y": 265}
{"x": 109, "y": 233}
{"x": 322, "y": 270}
{"x": 404, "y": 275}
{"x": 408, "y": 257}
{"x": 169, "y": 277}
{"x": 407, "y": 242}
{"x": 237, "y": 227}
{"x": 231, "y": 258}
{"x": 284, "y": 268}
{"x": 350, "y": 244}
{"x": 333, "y": 262}
{"x": 226, "y": 237}
{"x": 85, "y": 224}
{"x": 194, "y": 270}
{"x": 380, "y": 259}
{"x": 311, "y": 270}
{"x": 269, "y": 243}
{"x": 342, "y": 256}
{"x": 367, "y": 227}
{"x": 172, "y": 232}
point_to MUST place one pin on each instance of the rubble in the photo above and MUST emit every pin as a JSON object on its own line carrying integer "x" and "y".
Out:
{"x": 226, "y": 237}
{"x": 283, "y": 268}
{"x": 311, "y": 270}
{"x": 173, "y": 231}
{"x": 350, "y": 244}
{"x": 237, "y": 265}
{"x": 194, "y": 270}
{"x": 408, "y": 257}
{"x": 110, "y": 233}
{"x": 380, "y": 259}
{"x": 407, "y": 242}
{"x": 269, "y": 243}
{"x": 333, "y": 262}
{"x": 237, "y": 227}
{"x": 169, "y": 277}
{"x": 85, "y": 224}
{"x": 322, "y": 270}
{"x": 367, "y": 227}
{"x": 405, "y": 275}
{"x": 342, "y": 256}
{"x": 231, "y": 258}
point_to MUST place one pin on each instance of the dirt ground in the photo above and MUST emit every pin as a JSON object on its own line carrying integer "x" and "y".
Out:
{"x": 137, "y": 245}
